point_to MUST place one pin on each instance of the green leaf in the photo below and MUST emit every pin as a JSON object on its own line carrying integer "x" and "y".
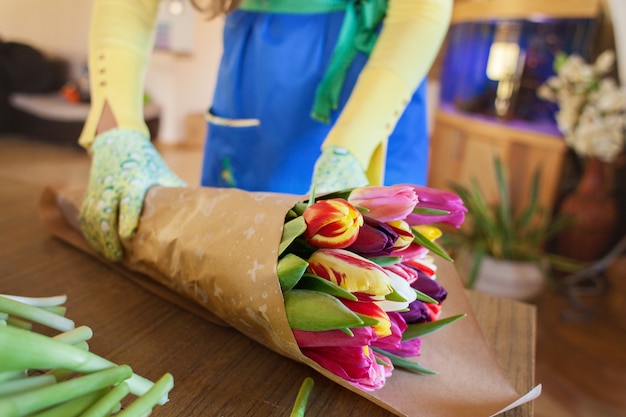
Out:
{"x": 430, "y": 211}
{"x": 406, "y": 364}
{"x": 347, "y": 331}
{"x": 385, "y": 260}
{"x": 299, "y": 208}
{"x": 291, "y": 230}
{"x": 505, "y": 197}
{"x": 420, "y": 329}
{"x": 395, "y": 296}
{"x": 317, "y": 311}
{"x": 290, "y": 269}
{"x": 425, "y": 298}
{"x": 315, "y": 283}
{"x": 420, "y": 239}
{"x": 478, "y": 254}
{"x": 368, "y": 321}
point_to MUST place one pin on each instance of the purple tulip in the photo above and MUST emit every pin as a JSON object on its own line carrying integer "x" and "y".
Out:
{"x": 431, "y": 288}
{"x": 417, "y": 313}
{"x": 440, "y": 200}
{"x": 375, "y": 239}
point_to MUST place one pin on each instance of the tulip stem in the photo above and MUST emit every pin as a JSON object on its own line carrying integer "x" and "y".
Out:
{"x": 36, "y": 314}
{"x": 302, "y": 399}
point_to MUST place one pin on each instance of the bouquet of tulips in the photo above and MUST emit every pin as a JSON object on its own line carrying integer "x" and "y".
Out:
{"x": 345, "y": 283}
{"x": 359, "y": 281}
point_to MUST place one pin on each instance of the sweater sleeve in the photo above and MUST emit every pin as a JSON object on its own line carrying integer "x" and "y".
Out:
{"x": 412, "y": 33}
{"x": 120, "y": 42}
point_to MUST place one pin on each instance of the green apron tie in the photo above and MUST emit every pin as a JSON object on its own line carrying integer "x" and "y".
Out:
{"x": 357, "y": 33}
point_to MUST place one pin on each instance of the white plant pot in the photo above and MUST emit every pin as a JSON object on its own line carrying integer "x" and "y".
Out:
{"x": 518, "y": 280}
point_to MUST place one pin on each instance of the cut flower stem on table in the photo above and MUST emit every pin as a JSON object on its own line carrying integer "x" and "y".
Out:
{"x": 58, "y": 376}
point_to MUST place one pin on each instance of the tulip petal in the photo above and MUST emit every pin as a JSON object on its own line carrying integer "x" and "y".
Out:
{"x": 403, "y": 290}
{"x": 432, "y": 198}
{"x": 360, "y": 337}
{"x": 350, "y": 271}
{"x": 317, "y": 311}
{"x": 385, "y": 203}
{"x": 332, "y": 223}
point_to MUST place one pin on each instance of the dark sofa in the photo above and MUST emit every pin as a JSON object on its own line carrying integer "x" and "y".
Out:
{"x": 30, "y": 100}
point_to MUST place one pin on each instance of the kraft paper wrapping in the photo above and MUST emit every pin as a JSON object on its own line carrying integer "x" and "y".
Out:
{"x": 217, "y": 249}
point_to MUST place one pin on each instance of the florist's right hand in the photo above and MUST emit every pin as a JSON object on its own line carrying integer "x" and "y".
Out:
{"x": 124, "y": 166}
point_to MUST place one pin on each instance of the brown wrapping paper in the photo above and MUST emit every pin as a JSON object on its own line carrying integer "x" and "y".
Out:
{"x": 217, "y": 249}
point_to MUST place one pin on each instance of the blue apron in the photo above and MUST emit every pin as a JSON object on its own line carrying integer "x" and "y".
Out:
{"x": 261, "y": 136}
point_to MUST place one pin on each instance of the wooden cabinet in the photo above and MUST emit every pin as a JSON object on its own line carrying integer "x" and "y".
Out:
{"x": 463, "y": 148}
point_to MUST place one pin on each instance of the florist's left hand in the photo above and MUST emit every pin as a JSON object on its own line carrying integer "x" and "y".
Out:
{"x": 337, "y": 169}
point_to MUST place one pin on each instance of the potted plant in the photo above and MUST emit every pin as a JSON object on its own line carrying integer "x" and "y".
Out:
{"x": 502, "y": 251}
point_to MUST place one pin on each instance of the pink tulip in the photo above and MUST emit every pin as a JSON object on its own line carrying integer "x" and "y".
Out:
{"x": 361, "y": 336}
{"x": 394, "y": 344}
{"x": 397, "y": 327}
{"x": 351, "y": 272}
{"x": 413, "y": 251}
{"x": 440, "y": 200}
{"x": 385, "y": 203}
{"x": 332, "y": 223}
{"x": 357, "y": 365}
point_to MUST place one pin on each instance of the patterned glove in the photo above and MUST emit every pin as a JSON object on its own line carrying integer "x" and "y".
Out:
{"x": 337, "y": 169}
{"x": 124, "y": 166}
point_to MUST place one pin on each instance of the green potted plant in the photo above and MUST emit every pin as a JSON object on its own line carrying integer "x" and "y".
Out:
{"x": 502, "y": 251}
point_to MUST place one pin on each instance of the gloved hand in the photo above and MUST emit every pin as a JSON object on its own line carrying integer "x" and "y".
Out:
{"x": 337, "y": 169}
{"x": 124, "y": 166}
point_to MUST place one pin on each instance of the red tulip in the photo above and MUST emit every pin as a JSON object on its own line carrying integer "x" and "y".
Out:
{"x": 332, "y": 223}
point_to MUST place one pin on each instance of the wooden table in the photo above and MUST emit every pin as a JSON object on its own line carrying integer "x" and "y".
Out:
{"x": 225, "y": 375}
